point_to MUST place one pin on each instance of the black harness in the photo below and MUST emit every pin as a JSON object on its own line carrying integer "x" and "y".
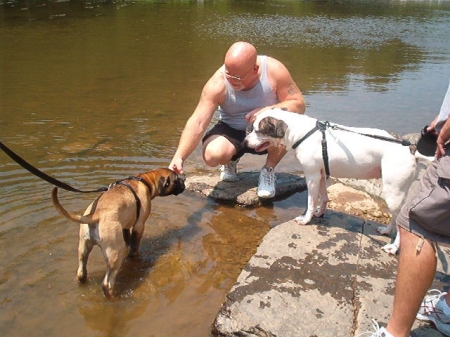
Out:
{"x": 321, "y": 126}
{"x": 136, "y": 198}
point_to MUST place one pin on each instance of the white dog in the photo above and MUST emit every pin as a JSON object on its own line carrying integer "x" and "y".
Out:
{"x": 348, "y": 153}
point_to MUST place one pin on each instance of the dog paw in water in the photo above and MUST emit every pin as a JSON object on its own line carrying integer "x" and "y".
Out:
{"x": 390, "y": 249}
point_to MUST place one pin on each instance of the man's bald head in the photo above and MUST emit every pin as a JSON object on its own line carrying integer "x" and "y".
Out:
{"x": 240, "y": 56}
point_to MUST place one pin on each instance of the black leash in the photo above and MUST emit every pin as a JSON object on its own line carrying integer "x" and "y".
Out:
{"x": 404, "y": 142}
{"x": 321, "y": 126}
{"x": 27, "y": 166}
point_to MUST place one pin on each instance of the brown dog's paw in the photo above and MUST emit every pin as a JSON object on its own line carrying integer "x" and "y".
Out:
{"x": 133, "y": 253}
{"x": 81, "y": 279}
{"x": 107, "y": 291}
{"x": 81, "y": 275}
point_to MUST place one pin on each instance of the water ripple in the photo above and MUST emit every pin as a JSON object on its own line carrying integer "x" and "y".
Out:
{"x": 26, "y": 198}
{"x": 319, "y": 30}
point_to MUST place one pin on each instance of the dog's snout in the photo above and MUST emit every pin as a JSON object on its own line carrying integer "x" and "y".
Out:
{"x": 244, "y": 143}
{"x": 181, "y": 186}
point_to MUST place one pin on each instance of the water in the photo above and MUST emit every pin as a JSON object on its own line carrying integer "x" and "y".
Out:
{"x": 92, "y": 92}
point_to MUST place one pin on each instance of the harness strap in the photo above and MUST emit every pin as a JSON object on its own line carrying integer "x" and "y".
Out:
{"x": 142, "y": 181}
{"x": 136, "y": 198}
{"x": 322, "y": 126}
{"x": 297, "y": 143}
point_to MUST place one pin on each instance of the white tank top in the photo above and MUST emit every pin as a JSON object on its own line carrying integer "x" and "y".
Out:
{"x": 238, "y": 103}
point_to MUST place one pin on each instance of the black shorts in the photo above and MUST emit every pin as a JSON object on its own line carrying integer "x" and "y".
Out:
{"x": 236, "y": 137}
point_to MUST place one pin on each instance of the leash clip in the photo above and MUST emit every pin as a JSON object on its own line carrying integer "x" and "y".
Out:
{"x": 323, "y": 125}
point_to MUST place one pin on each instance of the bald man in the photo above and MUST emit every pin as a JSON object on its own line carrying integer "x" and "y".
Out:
{"x": 242, "y": 87}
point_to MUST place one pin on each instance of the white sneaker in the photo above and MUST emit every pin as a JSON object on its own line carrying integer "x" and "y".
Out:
{"x": 379, "y": 331}
{"x": 229, "y": 172}
{"x": 266, "y": 183}
{"x": 431, "y": 310}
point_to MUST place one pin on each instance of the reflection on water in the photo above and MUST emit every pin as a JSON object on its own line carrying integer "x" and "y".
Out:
{"x": 92, "y": 92}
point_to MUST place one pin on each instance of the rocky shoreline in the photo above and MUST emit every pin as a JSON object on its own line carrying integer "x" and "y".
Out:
{"x": 328, "y": 278}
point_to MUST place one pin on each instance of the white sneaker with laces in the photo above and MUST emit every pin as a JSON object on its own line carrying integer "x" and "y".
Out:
{"x": 266, "y": 183}
{"x": 379, "y": 331}
{"x": 431, "y": 310}
{"x": 228, "y": 172}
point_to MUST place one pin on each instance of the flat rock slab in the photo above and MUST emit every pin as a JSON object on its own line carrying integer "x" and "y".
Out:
{"x": 300, "y": 282}
{"x": 329, "y": 278}
{"x": 243, "y": 191}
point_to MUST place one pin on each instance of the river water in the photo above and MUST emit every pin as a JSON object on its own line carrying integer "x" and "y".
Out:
{"x": 94, "y": 91}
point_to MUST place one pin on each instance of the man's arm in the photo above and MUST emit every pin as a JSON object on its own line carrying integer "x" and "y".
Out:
{"x": 198, "y": 122}
{"x": 289, "y": 95}
{"x": 444, "y": 133}
{"x": 443, "y": 138}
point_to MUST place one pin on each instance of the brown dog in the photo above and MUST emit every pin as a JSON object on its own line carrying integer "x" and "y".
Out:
{"x": 116, "y": 219}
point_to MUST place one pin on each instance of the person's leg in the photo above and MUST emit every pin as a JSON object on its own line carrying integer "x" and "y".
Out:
{"x": 266, "y": 181}
{"x": 217, "y": 150}
{"x": 274, "y": 156}
{"x": 415, "y": 272}
{"x": 221, "y": 143}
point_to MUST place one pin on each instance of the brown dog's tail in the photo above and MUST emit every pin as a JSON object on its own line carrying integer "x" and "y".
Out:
{"x": 87, "y": 219}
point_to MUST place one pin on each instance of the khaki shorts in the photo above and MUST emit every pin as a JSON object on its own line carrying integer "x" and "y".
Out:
{"x": 422, "y": 186}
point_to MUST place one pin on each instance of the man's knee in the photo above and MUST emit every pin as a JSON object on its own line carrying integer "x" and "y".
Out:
{"x": 412, "y": 242}
{"x": 213, "y": 156}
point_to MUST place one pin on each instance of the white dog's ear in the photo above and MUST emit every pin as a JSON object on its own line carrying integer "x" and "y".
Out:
{"x": 272, "y": 127}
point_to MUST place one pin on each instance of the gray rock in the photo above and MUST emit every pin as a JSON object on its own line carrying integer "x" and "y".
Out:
{"x": 243, "y": 191}
{"x": 303, "y": 281}
{"x": 329, "y": 278}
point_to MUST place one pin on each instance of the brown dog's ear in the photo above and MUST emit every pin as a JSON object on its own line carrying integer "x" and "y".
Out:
{"x": 272, "y": 127}
{"x": 162, "y": 184}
